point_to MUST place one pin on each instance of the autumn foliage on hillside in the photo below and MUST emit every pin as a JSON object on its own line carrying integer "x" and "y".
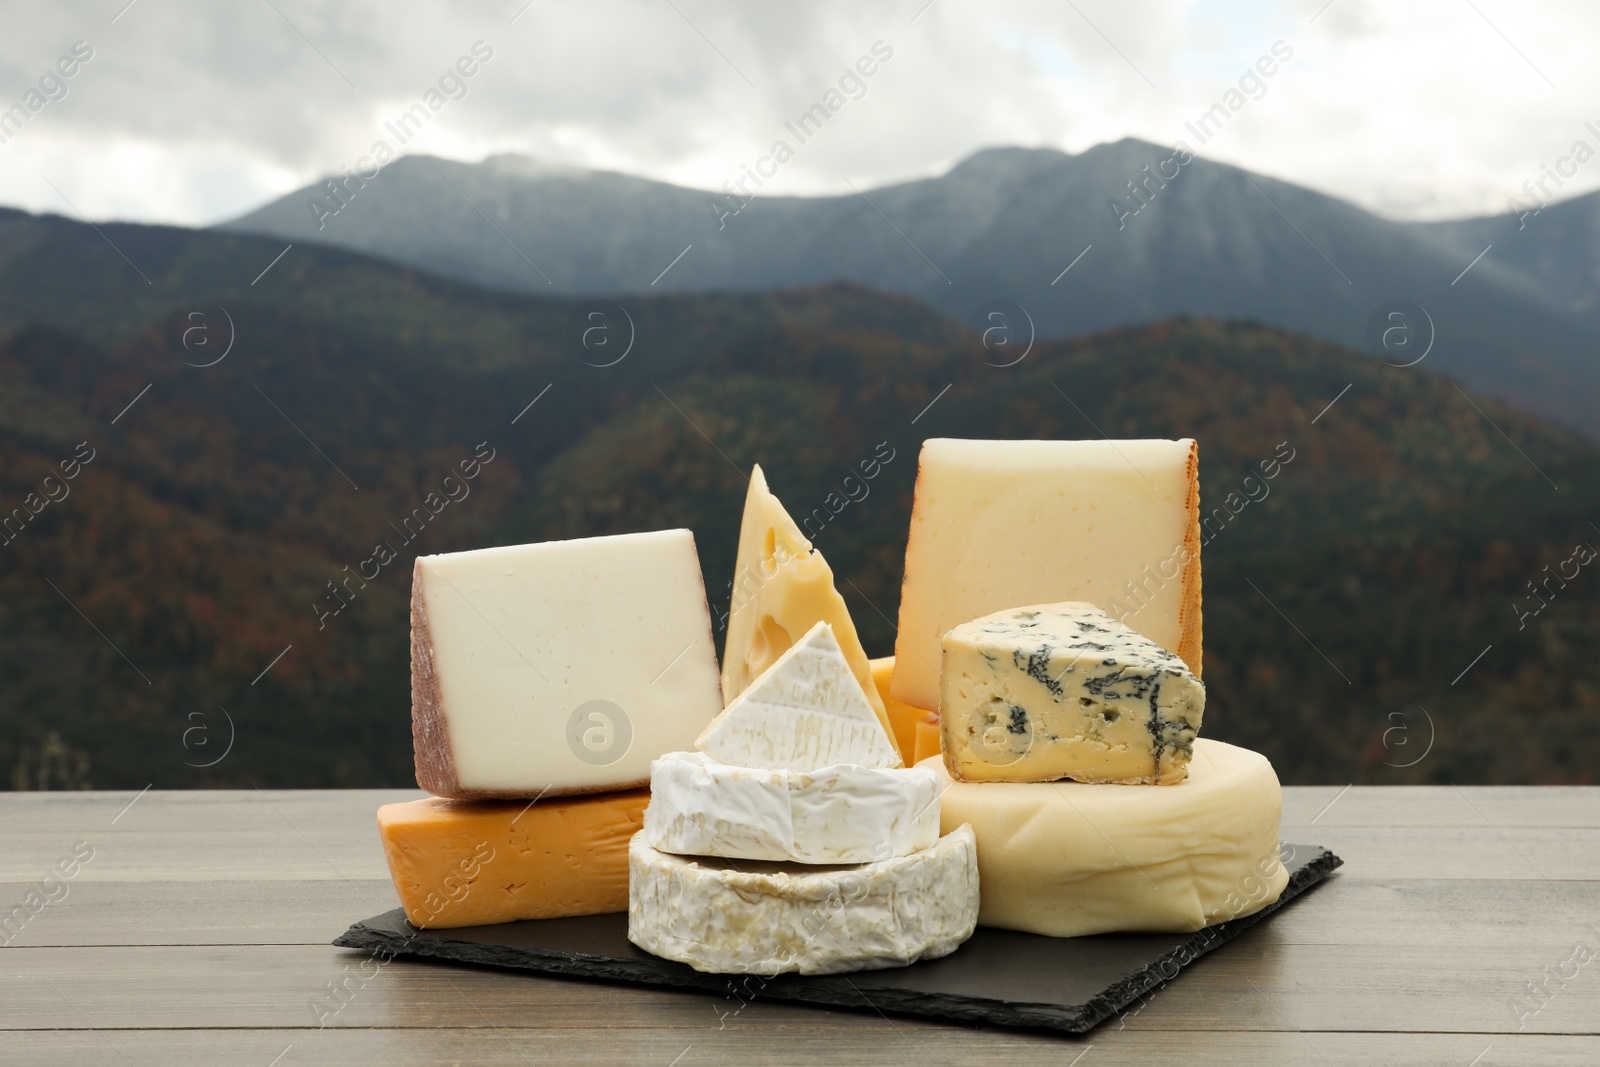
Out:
{"x": 1406, "y": 582}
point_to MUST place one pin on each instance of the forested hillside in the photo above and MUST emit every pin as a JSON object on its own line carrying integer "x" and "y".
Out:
{"x": 217, "y": 515}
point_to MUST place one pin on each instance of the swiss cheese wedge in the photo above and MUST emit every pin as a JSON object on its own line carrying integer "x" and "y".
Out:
{"x": 782, "y": 587}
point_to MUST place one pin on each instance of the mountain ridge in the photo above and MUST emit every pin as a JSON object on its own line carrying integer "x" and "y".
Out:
{"x": 1122, "y": 233}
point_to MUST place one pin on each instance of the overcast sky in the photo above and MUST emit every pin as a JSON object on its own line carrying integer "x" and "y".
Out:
{"x": 192, "y": 112}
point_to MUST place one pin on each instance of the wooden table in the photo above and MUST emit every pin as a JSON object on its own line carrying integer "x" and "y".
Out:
{"x": 198, "y": 934}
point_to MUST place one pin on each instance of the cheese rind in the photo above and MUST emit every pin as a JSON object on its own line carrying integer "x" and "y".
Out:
{"x": 1066, "y": 859}
{"x": 806, "y": 712}
{"x": 558, "y": 668}
{"x": 467, "y": 863}
{"x": 770, "y": 919}
{"x": 840, "y": 814}
{"x": 1065, "y": 691}
{"x": 996, "y": 524}
{"x": 781, "y": 588}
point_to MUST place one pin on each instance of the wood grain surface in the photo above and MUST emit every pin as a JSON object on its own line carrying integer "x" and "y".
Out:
{"x": 198, "y": 934}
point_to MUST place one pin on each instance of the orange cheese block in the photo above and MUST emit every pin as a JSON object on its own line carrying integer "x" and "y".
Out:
{"x": 467, "y": 863}
{"x": 902, "y": 716}
{"x": 928, "y": 735}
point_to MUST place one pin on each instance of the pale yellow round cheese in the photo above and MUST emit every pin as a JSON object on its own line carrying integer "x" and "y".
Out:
{"x": 1066, "y": 859}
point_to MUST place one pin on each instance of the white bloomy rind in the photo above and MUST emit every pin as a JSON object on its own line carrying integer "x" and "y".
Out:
{"x": 772, "y": 919}
{"x": 839, "y": 814}
{"x": 805, "y": 712}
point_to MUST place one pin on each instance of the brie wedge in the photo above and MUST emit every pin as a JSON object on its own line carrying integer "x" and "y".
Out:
{"x": 805, "y": 712}
{"x": 839, "y": 814}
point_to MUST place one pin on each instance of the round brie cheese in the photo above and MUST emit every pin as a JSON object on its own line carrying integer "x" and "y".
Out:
{"x": 750, "y": 917}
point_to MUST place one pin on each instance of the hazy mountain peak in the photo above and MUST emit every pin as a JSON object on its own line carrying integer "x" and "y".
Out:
{"x": 1143, "y": 239}
{"x": 1020, "y": 157}
{"x": 517, "y": 165}
{"x": 1128, "y": 145}
{"x": 1008, "y": 157}
{"x": 509, "y": 166}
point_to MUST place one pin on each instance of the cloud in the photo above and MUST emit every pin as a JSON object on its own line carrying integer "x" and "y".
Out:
{"x": 192, "y": 112}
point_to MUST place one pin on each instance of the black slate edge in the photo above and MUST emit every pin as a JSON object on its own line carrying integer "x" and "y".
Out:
{"x": 383, "y": 933}
{"x": 1166, "y": 967}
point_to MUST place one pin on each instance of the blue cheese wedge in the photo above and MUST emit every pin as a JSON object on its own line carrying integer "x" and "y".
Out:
{"x": 1055, "y": 691}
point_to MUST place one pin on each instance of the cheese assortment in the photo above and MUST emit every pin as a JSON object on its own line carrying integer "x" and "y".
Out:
{"x": 1028, "y": 759}
{"x": 1064, "y": 691}
{"x": 1001, "y": 524}
{"x": 546, "y": 679}
{"x": 1051, "y": 615}
{"x": 794, "y": 840}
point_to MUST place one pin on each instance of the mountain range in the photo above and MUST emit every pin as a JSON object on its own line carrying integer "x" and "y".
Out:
{"x": 1056, "y": 245}
{"x": 207, "y": 436}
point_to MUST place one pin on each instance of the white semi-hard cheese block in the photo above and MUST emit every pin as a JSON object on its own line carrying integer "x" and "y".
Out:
{"x": 1065, "y": 858}
{"x": 748, "y": 917}
{"x": 998, "y": 524}
{"x": 805, "y": 712}
{"x": 781, "y": 588}
{"x": 563, "y": 667}
{"x": 1065, "y": 691}
{"x": 839, "y": 814}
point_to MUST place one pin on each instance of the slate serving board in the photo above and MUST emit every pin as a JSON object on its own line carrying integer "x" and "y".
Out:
{"x": 998, "y": 977}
